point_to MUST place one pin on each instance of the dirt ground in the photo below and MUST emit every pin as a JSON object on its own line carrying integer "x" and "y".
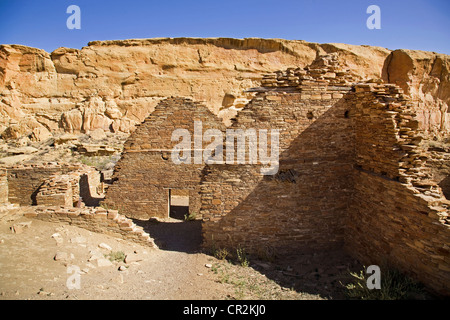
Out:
{"x": 43, "y": 260}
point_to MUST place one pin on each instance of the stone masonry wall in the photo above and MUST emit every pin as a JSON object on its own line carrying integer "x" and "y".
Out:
{"x": 303, "y": 206}
{"x": 380, "y": 200}
{"x": 439, "y": 165}
{"x": 57, "y": 190}
{"x": 24, "y": 180}
{"x": 97, "y": 220}
{"x": 146, "y": 172}
{"x": 399, "y": 214}
{"x": 355, "y": 172}
{"x": 53, "y": 184}
{"x": 3, "y": 186}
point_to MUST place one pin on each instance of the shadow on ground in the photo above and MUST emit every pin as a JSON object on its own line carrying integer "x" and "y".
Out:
{"x": 174, "y": 234}
{"x": 319, "y": 273}
{"x": 322, "y": 273}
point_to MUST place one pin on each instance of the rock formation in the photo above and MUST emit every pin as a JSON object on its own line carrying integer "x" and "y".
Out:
{"x": 114, "y": 85}
{"x": 356, "y": 169}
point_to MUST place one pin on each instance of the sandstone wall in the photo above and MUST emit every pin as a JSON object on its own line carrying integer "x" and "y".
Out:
{"x": 69, "y": 189}
{"x": 380, "y": 199}
{"x": 302, "y": 206}
{"x": 398, "y": 214}
{"x": 114, "y": 85}
{"x": 146, "y": 172}
{"x": 94, "y": 219}
{"x": 3, "y": 186}
{"x": 390, "y": 225}
{"x": 424, "y": 76}
{"x": 438, "y": 164}
{"x": 53, "y": 184}
{"x": 24, "y": 180}
{"x": 56, "y": 190}
{"x": 356, "y": 171}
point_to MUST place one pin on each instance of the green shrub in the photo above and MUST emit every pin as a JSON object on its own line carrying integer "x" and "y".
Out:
{"x": 394, "y": 286}
{"x": 190, "y": 216}
{"x": 221, "y": 254}
{"x": 118, "y": 256}
{"x": 242, "y": 257}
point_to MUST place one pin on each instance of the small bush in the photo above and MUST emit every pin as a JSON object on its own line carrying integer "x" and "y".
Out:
{"x": 118, "y": 256}
{"x": 394, "y": 286}
{"x": 221, "y": 254}
{"x": 242, "y": 257}
{"x": 190, "y": 216}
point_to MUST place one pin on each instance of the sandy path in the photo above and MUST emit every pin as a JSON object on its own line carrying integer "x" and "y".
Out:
{"x": 28, "y": 266}
{"x": 178, "y": 270}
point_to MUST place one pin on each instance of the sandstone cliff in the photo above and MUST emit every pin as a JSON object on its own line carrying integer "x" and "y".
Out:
{"x": 113, "y": 85}
{"x": 425, "y": 77}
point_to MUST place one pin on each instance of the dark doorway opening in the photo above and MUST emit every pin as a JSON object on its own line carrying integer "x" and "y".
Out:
{"x": 179, "y": 204}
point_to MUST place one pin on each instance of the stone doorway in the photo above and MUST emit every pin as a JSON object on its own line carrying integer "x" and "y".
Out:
{"x": 178, "y": 204}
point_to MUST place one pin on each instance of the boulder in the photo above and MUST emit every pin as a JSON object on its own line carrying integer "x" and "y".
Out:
{"x": 40, "y": 134}
{"x": 66, "y": 138}
{"x": 72, "y": 120}
{"x": 98, "y": 134}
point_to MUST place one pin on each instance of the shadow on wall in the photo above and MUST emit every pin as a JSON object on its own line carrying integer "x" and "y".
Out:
{"x": 302, "y": 212}
{"x": 293, "y": 223}
{"x": 304, "y": 206}
{"x": 85, "y": 192}
{"x": 34, "y": 195}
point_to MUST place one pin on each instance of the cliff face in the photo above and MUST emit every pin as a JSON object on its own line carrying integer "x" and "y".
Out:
{"x": 425, "y": 77}
{"x": 114, "y": 85}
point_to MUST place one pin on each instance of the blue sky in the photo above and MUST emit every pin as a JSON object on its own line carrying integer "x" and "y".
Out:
{"x": 413, "y": 24}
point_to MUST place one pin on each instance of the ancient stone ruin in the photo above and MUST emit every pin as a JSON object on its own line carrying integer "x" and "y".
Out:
{"x": 66, "y": 193}
{"x": 364, "y": 159}
{"x": 355, "y": 173}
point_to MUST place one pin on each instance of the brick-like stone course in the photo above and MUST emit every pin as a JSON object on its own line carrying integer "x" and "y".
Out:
{"x": 25, "y": 180}
{"x": 146, "y": 172}
{"x": 387, "y": 207}
{"x": 56, "y": 190}
{"x": 3, "y": 186}
{"x": 52, "y": 184}
{"x": 97, "y": 220}
{"x": 356, "y": 171}
{"x": 398, "y": 214}
{"x": 68, "y": 189}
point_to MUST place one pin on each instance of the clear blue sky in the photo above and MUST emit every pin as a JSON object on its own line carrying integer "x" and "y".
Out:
{"x": 412, "y": 24}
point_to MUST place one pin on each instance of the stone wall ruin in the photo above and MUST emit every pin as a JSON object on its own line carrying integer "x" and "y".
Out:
{"x": 145, "y": 173}
{"x": 356, "y": 172}
{"x": 66, "y": 193}
{"x": 53, "y": 184}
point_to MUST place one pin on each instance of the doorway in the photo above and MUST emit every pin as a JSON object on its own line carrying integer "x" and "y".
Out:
{"x": 178, "y": 204}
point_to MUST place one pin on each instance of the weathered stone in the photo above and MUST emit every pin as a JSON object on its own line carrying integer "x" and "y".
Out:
{"x": 353, "y": 170}
{"x": 104, "y": 246}
{"x": 103, "y": 262}
{"x": 20, "y": 227}
{"x": 62, "y": 256}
